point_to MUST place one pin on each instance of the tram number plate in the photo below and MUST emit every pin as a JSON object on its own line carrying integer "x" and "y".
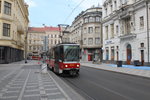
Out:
{"x": 71, "y": 64}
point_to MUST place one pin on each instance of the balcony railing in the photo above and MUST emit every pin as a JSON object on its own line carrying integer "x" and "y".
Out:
{"x": 127, "y": 36}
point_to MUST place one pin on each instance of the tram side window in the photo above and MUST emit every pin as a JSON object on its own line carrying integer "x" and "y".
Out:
{"x": 61, "y": 53}
{"x": 56, "y": 50}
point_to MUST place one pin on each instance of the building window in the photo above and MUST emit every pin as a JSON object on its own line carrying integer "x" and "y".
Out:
{"x": 2, "y": 53}
{"x": 106, "y": 11}
{"x": 117, "y": 29}
{"x": 90, "y": 41}
{"x": 7, "y": 8}
{"x": 115, "y": 3}
{"x": 0, "y": 6}
{"x": 97, "y": 29}
{"x": 84, "y": 42}
{"x": 91, "y": 19}
{"x": 127, "y": 29}
{"x": 112, "y": 30}
{"x": 90, "y": 29}
{"x": 142, "y": 44}
{"x": 85, "y": 31}
{"x": 112, "y": 53}
{"x": 106, "y": 28}
{"x": 29, "y": 41}
{"x": 86, "y": 20}
{"x": 124, "y": 2}
{"x": 111, "y": 7}
{"x": 141, "y": 22}
{"x": 97, "y": 19}
{"x": 97, "y": 40}
{"x": 29, "y": 47}
{"x": 6, "y": 29}
{"x": 107, "y": 53}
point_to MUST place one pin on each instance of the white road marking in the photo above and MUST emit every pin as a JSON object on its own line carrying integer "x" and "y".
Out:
{"x": 23, "y": 89}
{"x": 56, "y": 93}
{"x": 65, "y": 94}
{"x": 32, "y": 95}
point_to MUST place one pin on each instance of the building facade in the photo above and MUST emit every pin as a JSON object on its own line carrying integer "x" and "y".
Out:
{"x": 126, "y": 31}
{"x": 38, "y": 35}
{"x": 13, "y": 28}
{"x": 86, "y": 31}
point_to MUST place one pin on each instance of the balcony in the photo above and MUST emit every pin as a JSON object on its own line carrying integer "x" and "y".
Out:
{"x": 19, "y": 43}
{"x": 126, "y": 11}
{"x": 20, "y": 29}
{"x": 127, "y": 36}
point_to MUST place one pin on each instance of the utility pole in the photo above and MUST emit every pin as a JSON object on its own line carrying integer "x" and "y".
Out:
{"x": 25, "y": 47}
{"x": 45, "y": 48}
{"x": 61, "y": 33}
{"x": 148, "y": 44}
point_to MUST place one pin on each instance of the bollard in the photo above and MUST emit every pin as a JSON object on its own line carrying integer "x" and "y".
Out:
{"x": 44, "y": 68}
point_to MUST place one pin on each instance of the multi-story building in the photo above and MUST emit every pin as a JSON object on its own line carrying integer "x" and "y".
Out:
{"x": 13, "y": 27}
{"x": 37, "y": 36}
{"x": 86, "y": 30}
{"x": 126, "y": 31}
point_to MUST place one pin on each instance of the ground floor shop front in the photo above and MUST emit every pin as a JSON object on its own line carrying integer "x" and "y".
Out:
{"x": 9, "y": 54}
{"x": 128, "y": 52}
{"x": 91, "y": 54}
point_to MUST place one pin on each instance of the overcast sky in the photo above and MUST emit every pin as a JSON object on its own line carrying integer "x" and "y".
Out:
{"x": 54, "y": 12}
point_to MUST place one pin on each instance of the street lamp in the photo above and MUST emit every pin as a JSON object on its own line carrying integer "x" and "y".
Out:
{"x": 26, "y": 35}
{"x": 61, "y": 33}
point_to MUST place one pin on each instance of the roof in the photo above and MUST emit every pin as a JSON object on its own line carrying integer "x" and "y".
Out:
{"x": 43, "y": 29}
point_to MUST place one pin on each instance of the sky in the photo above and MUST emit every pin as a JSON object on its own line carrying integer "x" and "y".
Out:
{"x": 54, "y": 12}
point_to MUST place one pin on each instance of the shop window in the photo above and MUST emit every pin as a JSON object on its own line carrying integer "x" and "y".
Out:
{"x": 107, "y": 53}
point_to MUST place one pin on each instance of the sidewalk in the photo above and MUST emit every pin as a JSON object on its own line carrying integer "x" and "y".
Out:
{"x": 25, "y": 81}
{"x": 143, "y": 71}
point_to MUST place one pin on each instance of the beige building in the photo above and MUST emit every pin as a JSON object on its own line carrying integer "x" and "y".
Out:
{"x": 13, "y": 27}
{"x": 86, "y": 31}
{"x": 36, "y": 38}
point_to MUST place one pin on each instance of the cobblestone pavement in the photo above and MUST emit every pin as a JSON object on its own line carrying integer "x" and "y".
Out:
{"x": 26, "y": 82}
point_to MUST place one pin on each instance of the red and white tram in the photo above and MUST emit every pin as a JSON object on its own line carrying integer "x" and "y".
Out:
{"x": 65, "y": 58}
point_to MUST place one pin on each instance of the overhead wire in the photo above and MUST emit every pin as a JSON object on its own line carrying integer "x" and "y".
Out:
{"x": 73, "y": 11}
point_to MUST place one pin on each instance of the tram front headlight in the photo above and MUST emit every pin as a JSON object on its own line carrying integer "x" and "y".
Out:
{"x": 78, "y": 65}
{"x": 66, "y": 65}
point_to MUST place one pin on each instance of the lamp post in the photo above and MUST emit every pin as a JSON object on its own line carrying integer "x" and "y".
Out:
{"x": 26, "y": 35}
{"x": 61, "y": 33}
{"x": 148, "y": 44}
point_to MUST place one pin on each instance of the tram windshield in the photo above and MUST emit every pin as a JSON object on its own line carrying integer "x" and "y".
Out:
{"x": 71, "y": 53}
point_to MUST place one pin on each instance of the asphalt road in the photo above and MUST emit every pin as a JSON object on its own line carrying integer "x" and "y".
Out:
{"x": 95, "y": 84}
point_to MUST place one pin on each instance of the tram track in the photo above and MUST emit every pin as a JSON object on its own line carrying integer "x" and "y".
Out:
{"x": 78, "y": 89}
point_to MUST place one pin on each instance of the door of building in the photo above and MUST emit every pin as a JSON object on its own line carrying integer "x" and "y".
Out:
{"x": 129, "y": 54}
{"x": 142, "y": 57}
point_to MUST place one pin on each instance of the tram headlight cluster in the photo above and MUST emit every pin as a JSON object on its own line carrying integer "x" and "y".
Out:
{"x": 78, "y": 65}
{"x": 66, "y": 65}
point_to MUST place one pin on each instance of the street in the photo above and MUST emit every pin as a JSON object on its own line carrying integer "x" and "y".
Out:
{"x": 95, "y": 84}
